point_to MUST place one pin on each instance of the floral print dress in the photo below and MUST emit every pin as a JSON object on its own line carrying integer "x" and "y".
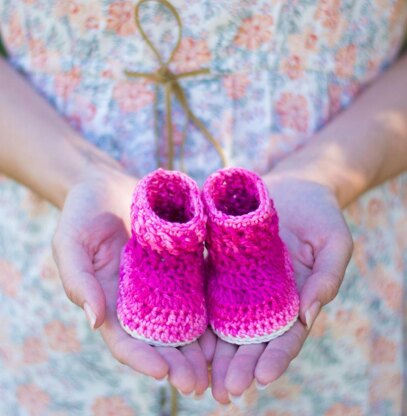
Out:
{"x": 279, "y": 71}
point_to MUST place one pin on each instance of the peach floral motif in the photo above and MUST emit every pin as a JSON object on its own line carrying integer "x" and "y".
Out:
{"x": 10, "y": 357}
{"x": 61, "y": 337}
{"x": 340, "y": 409}
{"x": 74, "y": 8}
{"x": 302, "y": 44}
{"x": 335, "y": 99}
{"x": 15, "y": 38}
{"x": 66, "y": 82}
{"x": 320, "y": 324}
{"x": 34, "y": 399}
{"x": 328, "y": 12}
{"x": 360, "y": 255}
{"x": 386, "y": 386}
{"x": 236, "y": 85}
{"x": 373, "y": 69}
{"x": 81, "y": 111}
{"x": 111, "y": 406}
{"x": 133, "y": 96}
{"x": 293, "y": 66}
{"x": 67, "y": 8}
{"x": 384, "y": 351}
{"x": 353, "y": 324}
{"x": 376, "y": 211}
{"x": 311, "y": 40}
{"x": 33, "y": 351}
{"x": 251, "y": 396}
{"x": 400, "y": 227}
{"x": 38, "y": 53}
{"x": 391, "y": 290}
{"x": 278, "y": 413}
{"x": 83, "y": 17}
{"x": 49, "y": 269}
{"x": 396, "y": 11}
{"x": 10, "y": 278}
{"x": 191, "y": 55}
{"x": 283, "y": 389}
{"x": 254, "y": 32}
{"x": 345, "y": 61}
{"x": 42, "y": 57}
{"x": 292, "y": 110}
{"x": 121, "y": 18}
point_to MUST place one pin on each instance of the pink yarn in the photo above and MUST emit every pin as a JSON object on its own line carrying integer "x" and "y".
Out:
{"x": 161, "y": 286}
{"x": 251, "y": 290}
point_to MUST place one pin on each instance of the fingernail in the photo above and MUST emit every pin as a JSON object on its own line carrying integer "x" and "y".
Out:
{"x": 311, "y": 314}
{"x": 237, "y": 400}
{"x": 162, "y": 381}
{"x": 186, "y": 395}
{"x": 260, "y": 386}
{"x": 90, "y": 315}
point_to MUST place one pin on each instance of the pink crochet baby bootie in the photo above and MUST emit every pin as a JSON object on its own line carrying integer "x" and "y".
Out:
{"x": 251, "y": 292}
{"x": 161, "y": 289}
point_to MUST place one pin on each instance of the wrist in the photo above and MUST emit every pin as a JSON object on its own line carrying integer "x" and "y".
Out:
{"x": 84, "y": 162}
{"x": 320, "y": 165}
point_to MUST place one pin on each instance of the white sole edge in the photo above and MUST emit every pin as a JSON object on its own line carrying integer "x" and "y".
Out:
{"x": 154, "y": 343}
{"x": 255, "y": 340}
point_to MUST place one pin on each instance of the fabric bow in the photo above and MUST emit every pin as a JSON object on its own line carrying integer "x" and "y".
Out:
{"x": 172, "y": 88}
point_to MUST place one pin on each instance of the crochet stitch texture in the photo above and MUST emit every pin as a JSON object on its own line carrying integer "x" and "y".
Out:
{"x": 251, "y": 290}
{"x": 161, "y": 288}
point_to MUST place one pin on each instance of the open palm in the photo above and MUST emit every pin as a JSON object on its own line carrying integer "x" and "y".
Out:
{"x": 316, "y": 234}
{"x": 93, "y": 228}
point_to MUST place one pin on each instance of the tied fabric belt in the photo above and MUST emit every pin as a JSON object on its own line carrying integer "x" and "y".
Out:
{"x": 172, "y": 88}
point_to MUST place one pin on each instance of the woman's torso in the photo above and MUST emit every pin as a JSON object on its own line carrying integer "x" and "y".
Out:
{"x": 279, "y": 70}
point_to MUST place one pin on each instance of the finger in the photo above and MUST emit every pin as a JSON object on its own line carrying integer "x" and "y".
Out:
{"x": 195, "y": 356}
{"x": 136, "y": 354}
{"x": 224, "y": 353}
{"x": 326, "y": 277}
{"x": 240, "y": 373}
{"x": 181, "y": 374}
{"x": 279, "y": 353}
{"x": 208, "y": 344}
{"x": 80, "y": 284}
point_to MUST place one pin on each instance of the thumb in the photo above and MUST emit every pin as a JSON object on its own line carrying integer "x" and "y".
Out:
{"x": 76, "y": 270}
{"x": 327, "y": 274}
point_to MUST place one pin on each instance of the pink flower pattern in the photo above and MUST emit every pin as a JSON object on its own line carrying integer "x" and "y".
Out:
{"x": 66, "y": 82}
{"x": 254, "y": 32}
{"x": 61, "y": 337}
{"x": 33, "y": 398}
{"x": 192, "y": 54}
{"x": 132, "y": 96}
{"x": 292, "y": 110}
{"x": 121, "y": 18}
{"x": 345, "y": 61}
{"x": 111, "y": 406}
{"x": 236, "y": 85}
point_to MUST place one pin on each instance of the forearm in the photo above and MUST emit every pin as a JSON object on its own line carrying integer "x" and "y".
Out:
{"x": 37, "y": 147}
{"x": 363, "y": 146}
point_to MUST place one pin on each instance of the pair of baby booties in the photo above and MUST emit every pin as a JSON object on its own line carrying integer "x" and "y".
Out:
{"x": 169, "y": 290}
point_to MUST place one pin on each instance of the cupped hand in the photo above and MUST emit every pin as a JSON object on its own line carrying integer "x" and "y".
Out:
{"x": 94, "y": 226}
{"x": 315, "y": 232}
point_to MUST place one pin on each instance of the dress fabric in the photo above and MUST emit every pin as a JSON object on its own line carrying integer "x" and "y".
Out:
{"x": 279, "y": 71}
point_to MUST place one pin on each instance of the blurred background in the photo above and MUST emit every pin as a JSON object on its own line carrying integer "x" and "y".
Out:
{"x": 2, "y": 51}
